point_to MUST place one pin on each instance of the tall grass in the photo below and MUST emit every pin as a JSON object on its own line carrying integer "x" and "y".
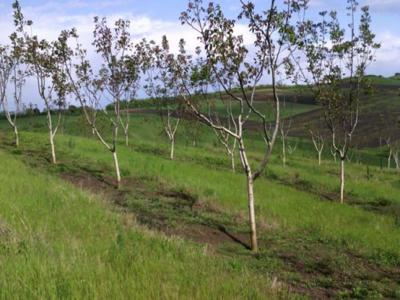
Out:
{"x": 373, "y": 235}
{"x": 60, "y": 243}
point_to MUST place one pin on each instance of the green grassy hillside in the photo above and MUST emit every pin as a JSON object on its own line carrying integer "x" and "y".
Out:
{"x": 59, "y": 242}
{"x": 107, "y": 243}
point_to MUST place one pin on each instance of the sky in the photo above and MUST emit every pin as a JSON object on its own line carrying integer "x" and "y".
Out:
{"x": 154, "y": 18}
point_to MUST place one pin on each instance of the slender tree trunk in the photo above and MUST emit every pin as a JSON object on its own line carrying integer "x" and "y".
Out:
{"x": 389, "y": 159}
{"x": 283, "y": 152}
{"x": 172, "y": 148}
{"x": 252, "y": 215}
{"x": 396, "y": 160}
{"x": 16, "y": 136}
{"x": 233, "y": 162}
{"x": 319, "y": 157}
{"x": 12, "y": 123}
{"x": 116, "y": 165}
{"x": 51, "y": 136}
{"x": 250, "y": 196}
{"x": 342, "y": 179}
{"x": 53, "y": 148}
{"x": 126, "y": 139}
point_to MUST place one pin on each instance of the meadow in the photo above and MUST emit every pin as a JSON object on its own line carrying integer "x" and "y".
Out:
{"x": 178, "y": 228}
{"x": 257, "y": 165}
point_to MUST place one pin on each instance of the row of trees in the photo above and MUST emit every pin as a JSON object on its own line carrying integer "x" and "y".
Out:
{"x": 321, "y": 54}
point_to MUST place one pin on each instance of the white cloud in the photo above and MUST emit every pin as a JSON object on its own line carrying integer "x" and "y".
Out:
{"x": 390, "y": 6}
{"x": 387, "y": 57}
{"x": 51, "y": 18}
{"x": 317, "y": 3}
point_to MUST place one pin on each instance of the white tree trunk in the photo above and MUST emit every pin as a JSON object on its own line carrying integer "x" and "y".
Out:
{"x": 283, "y": 152}
{"x": 16, "y": 134}
{"x": 233, "y": 162}
{"x": 250, "y": 196}
{"x": 172, "y": 149}
{"x": 51, "y": 136}
{"x": 396, "y": 160}
{"x": 252, "y": 215}
{"x": 116, "y": 164}
{"x": 319, "y": 157}
{"x": 342, "y": 179}
{"x": 126, "y": 138}
{"x": 389, "y": 159}
{"x": 53, "y": 148}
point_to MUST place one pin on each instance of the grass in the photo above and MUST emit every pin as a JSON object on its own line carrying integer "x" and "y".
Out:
{"x": 58, "y": 242}
{"x": 393, "y": 81}
{"x": 289, "y": 109}
{"x": 196, "y": 172}
{"x": 303, "y": 230}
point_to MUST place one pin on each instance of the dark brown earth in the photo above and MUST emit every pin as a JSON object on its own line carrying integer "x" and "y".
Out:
{"x": 201, "y": 233}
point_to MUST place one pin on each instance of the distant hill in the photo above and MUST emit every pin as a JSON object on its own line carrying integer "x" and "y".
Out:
{"x": 379, "y": 114}
{"x": 378, "y": 80}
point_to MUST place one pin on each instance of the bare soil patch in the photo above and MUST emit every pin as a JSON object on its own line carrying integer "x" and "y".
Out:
{"x": 209, "y": 233}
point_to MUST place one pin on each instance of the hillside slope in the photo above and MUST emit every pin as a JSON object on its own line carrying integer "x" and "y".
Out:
{"x": 60, "y": 243}
{"x": 312, "y": 245}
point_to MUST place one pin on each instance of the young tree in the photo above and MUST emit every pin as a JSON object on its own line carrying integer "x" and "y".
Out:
{"x": 292, "y": 148}
{"x": 135, "y": 65}
{"x": 119, "y": 72}
{"x": 284, "y": 132}
{"x": 390, "y": 129}
{"x": 335, "y": 64}
{"x": 394, "y": 149}
{"x": 318, "y": 142}
{"x": 116, "y": 79}
{"x": 396, "y": 156}
{"x": 161, "y": 87}
{"x": 6, "y": 68}
{"x": 229, "y": 61}
{"x": 285, "y": 127}
{"x": 51, "y": 81}
{"x": 13, "y": 71}
{"x": 318, "y": 138}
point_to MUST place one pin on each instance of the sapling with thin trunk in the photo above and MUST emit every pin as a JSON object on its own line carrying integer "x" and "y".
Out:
{"x": 394, "y": 149}
{"x": 115, "y": 81}
{"x": 285, "y": 127}
{"x": 9, "y": 76}
{"x": 161, "y": 87}
{"x": 319, "y": 143}
{"x": 231, "y": 62}
{"x": 389, "y": 159}
{"x": 391, "y": 127}
{"x": 284, "y": 132}
{"x": 333, "y": 63}
{"x": 51, "y": 80}
{"x": 13, "y": 70}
